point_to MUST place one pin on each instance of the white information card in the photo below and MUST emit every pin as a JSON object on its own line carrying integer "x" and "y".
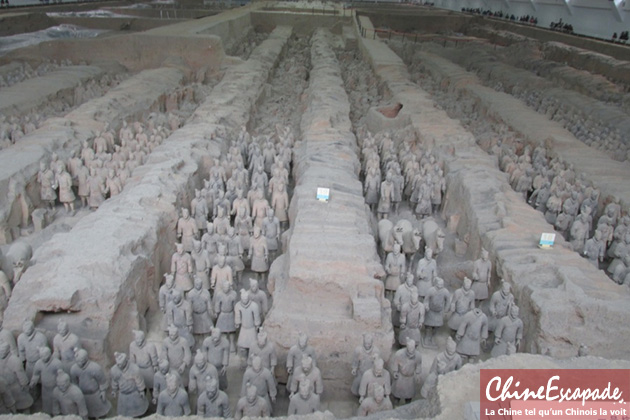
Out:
{"x": 547, "y": 240}
{"x": 323, "y": 194}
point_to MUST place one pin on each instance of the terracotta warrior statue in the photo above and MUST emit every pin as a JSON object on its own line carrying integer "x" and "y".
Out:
{"x": 217, "y": 350}
{"x": 376, "y": 403}
{"x": 128, "y": 386}
{"x": 179, "y": 313}
{"x": 7, "y": 403}
{"x": 579, "y": 232}
{"x": 395, "y": 265}
{"x": 63, "y": 181}
{"x": 426, "y": 271}
{"x": 203, "y": 263}
{"x": 406, "y": 367}
{"x": 199, "y": 207}
{"x": 224, "y": 302}
{"x": 176, "y": 350}
{"x": 165, "y": 296}
{"x": 386, "y": 194}
{"x": 12, "y": 372}
{"x": 371, "y": 188}
{"x": 411, "y": 321}
{"x": 472, "y": 334}
{"x": 305, "y": 401}
{"x": 266, "y": 350}
{"x": 251, "y": 405}
{"x": 247, "y": 320}
{"x": 144, "y": 355}
{"x": 508, "y": 333}
{"x": 463, "y": 301}
{"x": 96, "y": 189}
{"x": 198, "y": 372}
{"x": 83, "y": 177}
{"x": 259, "y": 296}
{"x": 67, "y": 398}
{"x": 90, "y": 378}
{"x": 182, "y": 268}
{"x": 271, "y": 231}
{"x": 295, "y": 355}
{"x": 29, "y": 343}
{"x": 376, "y": 375}
{"x": 234, "y": 253}
{"x": 187, "y": 230}
{"x": 436, "y": 304}
{"x": 259, "y": 255}
{"x": 445, "y": 362}
{"x": 280, "y": 204}
{"x": 500, "y": 303}
{"x": 595, "y": 249}
{"x": 65, "y": 345}
{"x": 173, "y": 401}
{"x": 201, "y": 303}
{"x": 307, "y": 370}
{"x": 482, "y": 272}
{"x": 113, "y": 184}
{"x": 363, "y": 360}
{"x": 261, "y": 377}
{"x": 244, "y": 226}
{"x": 159, "y": 379}
{"x": 403, "y": 295}
{"x": 213, "y": 402}
{"x": 45, "y": 372}
{"x": 47, "y": 185}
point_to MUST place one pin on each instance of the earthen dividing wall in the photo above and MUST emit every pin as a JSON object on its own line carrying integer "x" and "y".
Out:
{"x": 325, "y": 283}
{"x": 197, "y": 43}
{"x": 530, "y": 56}
{"x": 595, "y": 56}
{"x": 136, "y": 52}
{"x": 229, "y": 25}
{"x": 32, "y": 93}
{"x": 489, "y": 66}
{"x": 609, "y": 175}
{"x": 565, "y": 300}
{"x": 105, "y": 272}
{"x": 135, "y": 97}
{"x": 132, "y": 24}
{"x": 17, "y": 23}
{"x": 416, "y": 19}
{"x": 545, "y": 35}
{"x": 162, "y": 13}
{"x": 617, "y": 70}
{"x": 304, "y": 23}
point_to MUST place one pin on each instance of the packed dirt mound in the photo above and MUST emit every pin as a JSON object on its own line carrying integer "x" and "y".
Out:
{"x": 19, "y": 23}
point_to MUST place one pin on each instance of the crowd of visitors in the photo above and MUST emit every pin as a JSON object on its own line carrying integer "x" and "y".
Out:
{"x": 500, "y": 14}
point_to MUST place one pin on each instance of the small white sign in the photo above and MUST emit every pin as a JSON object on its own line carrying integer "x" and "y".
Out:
{"x": 323, "y": 194}
{"x": 547, "y": 240}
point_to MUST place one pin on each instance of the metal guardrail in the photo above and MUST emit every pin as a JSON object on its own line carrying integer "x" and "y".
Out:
{"x": 342, "y": 12}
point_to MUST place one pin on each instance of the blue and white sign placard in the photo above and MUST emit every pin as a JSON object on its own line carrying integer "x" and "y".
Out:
{"x": 547, "y": 240}
{"x": 323, "y": 194}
